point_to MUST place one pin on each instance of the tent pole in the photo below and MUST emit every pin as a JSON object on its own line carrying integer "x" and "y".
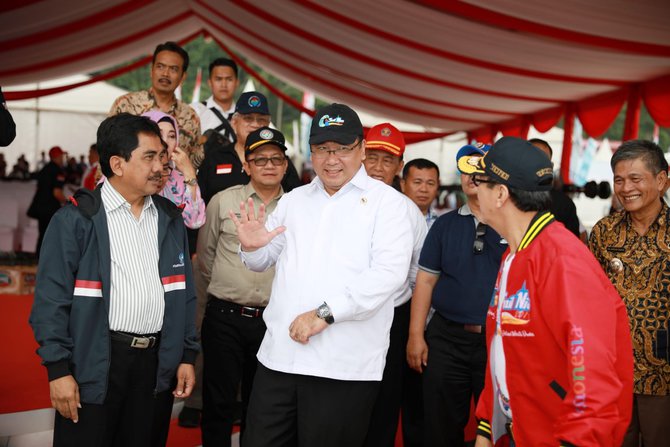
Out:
{"x": 631, "y": 126}
{"x": 568, "y": 127}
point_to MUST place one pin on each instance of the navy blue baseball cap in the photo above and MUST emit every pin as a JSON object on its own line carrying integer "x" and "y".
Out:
{"x": 468, "y": 157}
{"x": 252, "y": 102}
{"x": 515, "y": 162}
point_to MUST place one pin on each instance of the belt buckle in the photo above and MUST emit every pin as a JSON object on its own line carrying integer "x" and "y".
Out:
{"x": 141, "y": 342}
{"x": 473, "y": 328}
{"x": 249, "y": 312}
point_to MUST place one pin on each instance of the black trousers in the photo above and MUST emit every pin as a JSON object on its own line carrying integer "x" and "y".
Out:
{"x": 230, "y": 342}
{"x": 412, "y": 408}
{"x": 125, "y": 419}
{"x": 295, "y": 410}
{"x": 162, "y": 415}
{"x": 384, "y": 419}
{"x": 454, "y": 375}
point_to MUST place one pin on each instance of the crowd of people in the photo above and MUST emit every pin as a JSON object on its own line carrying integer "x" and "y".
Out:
{"x": 194, "y": 264}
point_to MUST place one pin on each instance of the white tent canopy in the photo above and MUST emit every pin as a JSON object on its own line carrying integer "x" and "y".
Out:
{"x": 69, "y": 119}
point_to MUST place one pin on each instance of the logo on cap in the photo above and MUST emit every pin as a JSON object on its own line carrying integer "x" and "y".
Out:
{"x": 473, "y": 160}
{"x": 327, "y": 121}
{"x": 254, "y": 101}
{"x": 499, "y": 172}
{"x": 386, "y": 132}
{"x": 266, "y": 134}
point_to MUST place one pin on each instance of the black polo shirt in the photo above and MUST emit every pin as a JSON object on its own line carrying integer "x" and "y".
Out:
{"x": 466, "y": 280}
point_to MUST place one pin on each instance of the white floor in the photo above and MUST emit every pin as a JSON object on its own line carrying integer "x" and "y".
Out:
{"x": 35, "y": 428}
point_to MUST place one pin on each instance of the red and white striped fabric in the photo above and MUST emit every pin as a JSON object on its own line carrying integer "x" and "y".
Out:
{"x": 174, "y": 282}
{"x": 91, "y": 289}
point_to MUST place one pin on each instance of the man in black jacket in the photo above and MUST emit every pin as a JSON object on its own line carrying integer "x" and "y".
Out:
{"x": 562, "y": 206}
{"x": 114, "y": 301}
{"x": 49, "y": 196}
{"x": 222, "y": 166}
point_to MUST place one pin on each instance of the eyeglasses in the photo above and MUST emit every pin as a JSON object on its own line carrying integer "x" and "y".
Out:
{"x": 478, "y": 180}
{"x": 478, "y": 245}
{"x": 322, "y": 152}
{"x": 262, "y": 161}
{"x": 262, "y": 120}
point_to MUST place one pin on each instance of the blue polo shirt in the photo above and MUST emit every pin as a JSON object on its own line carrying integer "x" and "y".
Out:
{"x": 465, "y": 286}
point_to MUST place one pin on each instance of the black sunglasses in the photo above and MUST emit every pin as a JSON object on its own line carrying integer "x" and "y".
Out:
{"x": 477, "y": 179}
{"x": 478, "y": 245}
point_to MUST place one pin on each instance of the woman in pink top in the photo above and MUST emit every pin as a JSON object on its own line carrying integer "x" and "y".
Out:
{"x": 180, "y": 184}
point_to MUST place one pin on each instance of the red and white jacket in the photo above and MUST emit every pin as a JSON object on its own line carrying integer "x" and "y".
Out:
{"x": 567, "y": 345}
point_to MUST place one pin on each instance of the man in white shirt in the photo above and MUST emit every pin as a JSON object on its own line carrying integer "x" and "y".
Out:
{"x": 342, "y": 245}
{"x": 384, "y": 149}
{"x": 216, "y": 111}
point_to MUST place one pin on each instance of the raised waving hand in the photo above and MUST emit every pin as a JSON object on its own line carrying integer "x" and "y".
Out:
{"x": 251, "y": 228}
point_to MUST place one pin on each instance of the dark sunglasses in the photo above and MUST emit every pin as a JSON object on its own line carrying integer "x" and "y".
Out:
{"x": 477, "y": 179}
{"x": 478, "y": 245}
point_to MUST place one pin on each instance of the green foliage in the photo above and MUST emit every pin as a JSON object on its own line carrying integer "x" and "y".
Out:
{"x": 202, "y": 51}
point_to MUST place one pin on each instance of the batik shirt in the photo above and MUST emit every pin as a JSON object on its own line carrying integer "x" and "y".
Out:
{"x": 639, "y": 268}
{"x": 137, "y": 103}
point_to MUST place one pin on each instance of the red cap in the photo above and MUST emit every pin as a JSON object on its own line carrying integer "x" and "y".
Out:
{"x": 56, "y": 152}
{"x": 385, "y": 137}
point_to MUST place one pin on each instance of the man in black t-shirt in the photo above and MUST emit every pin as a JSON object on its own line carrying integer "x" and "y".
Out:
{"x": 49, "y": 196}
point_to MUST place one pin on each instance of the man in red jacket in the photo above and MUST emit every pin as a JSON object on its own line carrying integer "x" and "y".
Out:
{"x": 560, "y": 355}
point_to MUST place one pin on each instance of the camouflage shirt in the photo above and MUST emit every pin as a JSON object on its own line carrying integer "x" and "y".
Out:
{"x": 143, "y": 101}
{"x": 639, "y": 268}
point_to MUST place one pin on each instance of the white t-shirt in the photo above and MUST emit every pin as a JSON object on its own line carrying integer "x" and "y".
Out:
{"x": 498, "y": 362}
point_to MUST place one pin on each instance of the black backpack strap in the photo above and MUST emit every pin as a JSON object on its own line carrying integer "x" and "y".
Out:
{"x": 225, "y": 125}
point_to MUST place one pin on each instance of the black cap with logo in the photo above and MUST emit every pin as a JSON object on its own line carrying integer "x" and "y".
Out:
{"x": 336, "y": 122}
{"x": 517, "y": 163}
{"x": 252, "y": 102}
{"x": 261, "y": 137}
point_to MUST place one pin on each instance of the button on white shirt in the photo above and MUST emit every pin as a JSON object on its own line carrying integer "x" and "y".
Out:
{"x": 351, "y": 250}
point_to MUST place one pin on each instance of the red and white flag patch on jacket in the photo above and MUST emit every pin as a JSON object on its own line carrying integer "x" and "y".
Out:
{"x": 224, "y": 169}
{"x": 174, "y": 282}
{"x": 88, "y": 288}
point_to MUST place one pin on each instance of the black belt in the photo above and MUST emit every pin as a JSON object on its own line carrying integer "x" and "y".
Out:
{"x": 473, "y": 328}
{"x": 136, "y": 340}
{"x": 233, "y": 308}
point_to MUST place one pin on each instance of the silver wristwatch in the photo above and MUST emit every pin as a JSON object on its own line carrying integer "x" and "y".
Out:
{"x": 323, "y": 312}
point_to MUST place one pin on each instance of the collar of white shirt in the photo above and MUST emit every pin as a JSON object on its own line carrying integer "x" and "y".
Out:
{"x": 211, "y": 103}
{"x": 360, "y": 180}
{"x": 112, "y": 200}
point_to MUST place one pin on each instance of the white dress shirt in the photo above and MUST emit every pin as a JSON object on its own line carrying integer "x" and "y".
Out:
{"x": 137, "y": 298}
{"x": 351, "y": 250}
{"x": 419, "y": 230}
